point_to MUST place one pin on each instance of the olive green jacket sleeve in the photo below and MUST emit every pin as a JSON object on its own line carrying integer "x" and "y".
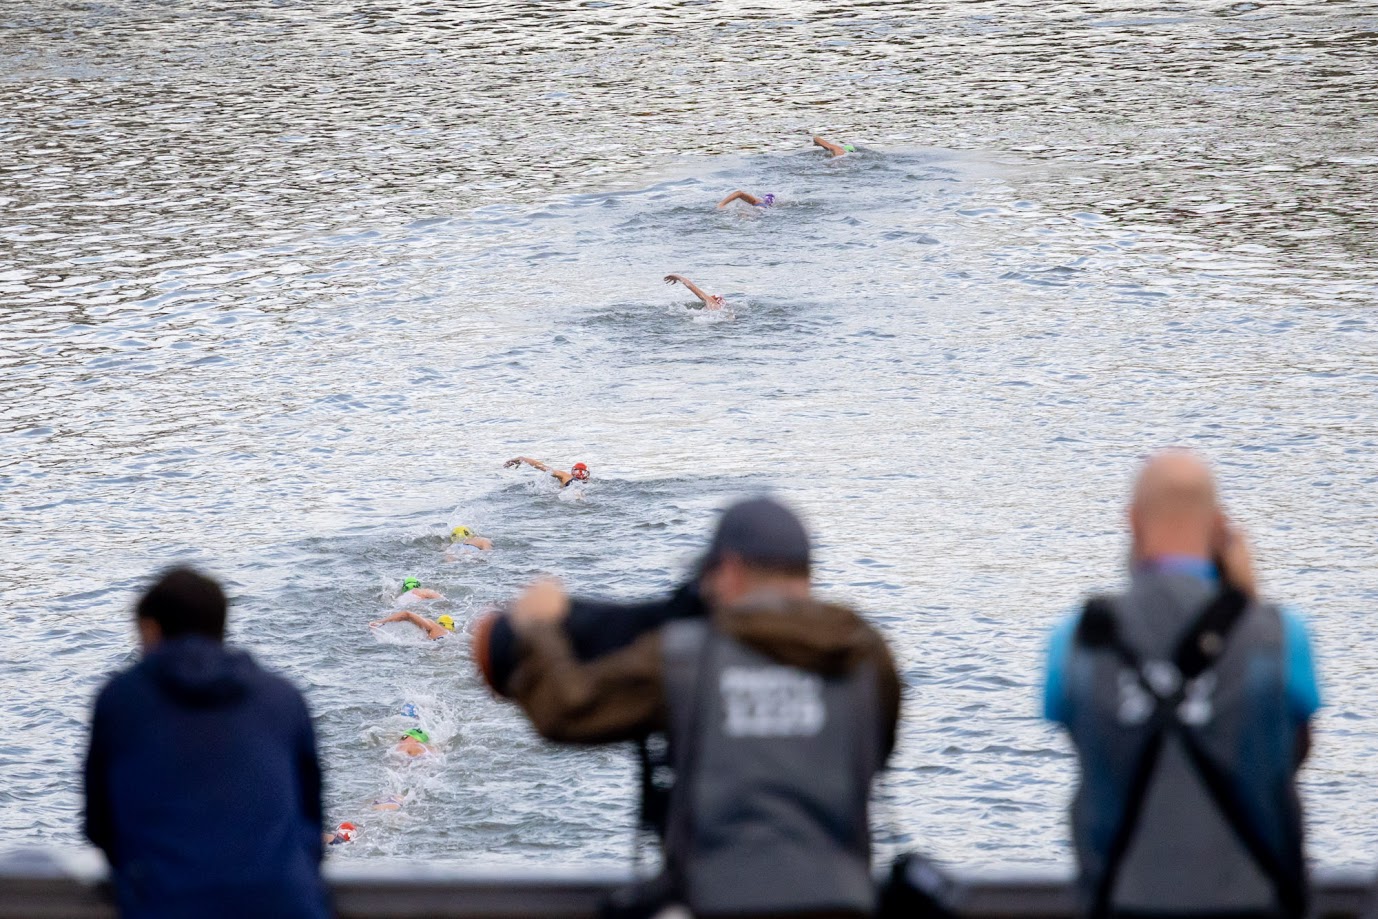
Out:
{"x": 619, "y": 696}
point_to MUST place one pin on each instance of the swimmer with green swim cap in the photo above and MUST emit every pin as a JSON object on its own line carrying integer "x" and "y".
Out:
{"x": 415, "y": 742}
{"x": 464, "y": 541}
{"x": 834, "y": 149}
{"x": 412, "y": 590}
{"x": 440, "y": 628}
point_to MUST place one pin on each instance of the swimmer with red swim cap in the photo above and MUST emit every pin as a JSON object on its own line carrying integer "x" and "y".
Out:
{"x": 577, "y": 473}
{"x": 345, "y": 832}
{"x": 710, "y": 301}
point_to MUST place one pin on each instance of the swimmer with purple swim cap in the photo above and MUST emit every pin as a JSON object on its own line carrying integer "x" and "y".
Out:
{"x": 739, "y": 195}
{"x": 710, "y": 301}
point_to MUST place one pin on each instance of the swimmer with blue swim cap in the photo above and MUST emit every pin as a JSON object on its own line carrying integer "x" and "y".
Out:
{"x": 739, "y": 195}
{"x": 710, "y": 301}
{"x": 834, "y": 149}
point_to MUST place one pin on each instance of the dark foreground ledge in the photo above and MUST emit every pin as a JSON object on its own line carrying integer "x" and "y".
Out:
{"x": 36, "y": 884}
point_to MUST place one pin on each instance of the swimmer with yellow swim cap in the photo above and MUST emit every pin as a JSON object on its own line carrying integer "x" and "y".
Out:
{"x": 440, "y": 628}
{"x": 834, "y": 149}
{"x": 464, "y": 541}
{"x": 415, "y": 742}
{"x": 577, "y": 473}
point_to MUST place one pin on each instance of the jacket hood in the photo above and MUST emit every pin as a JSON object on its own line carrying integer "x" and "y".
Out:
{"x": 200, "y": 672}
{"x": 808, "y": 634}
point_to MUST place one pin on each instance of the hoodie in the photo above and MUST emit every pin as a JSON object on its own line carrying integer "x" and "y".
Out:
{"x": 621, "y": 695}
{"x": 203, "y": 787}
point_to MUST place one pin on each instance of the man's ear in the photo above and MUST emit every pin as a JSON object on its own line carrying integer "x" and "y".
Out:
{"x": 150, "y": 634}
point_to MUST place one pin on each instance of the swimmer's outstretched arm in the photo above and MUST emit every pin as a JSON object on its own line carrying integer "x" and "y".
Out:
{"x": 693, "y": 289}
{"x": 746, "y": 196}
{"x": 535, "y": 464}
{"x": 404, "y": 615}
{"x": 834, "y": 149}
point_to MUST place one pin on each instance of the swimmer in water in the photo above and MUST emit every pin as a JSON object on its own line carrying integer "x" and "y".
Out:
{"x": 710, "y": 301}
{"x": 749, "y": 198}
{"x": 435, "y": 631}
{"x": 388, "y": 803}
{"x": 412, "y": 590}
{"x": 465, "y": 541}
{"x": 577, "y": 473}
{"x": 415, "y": 742}
{"x": 345, "y": 832}
{"x": 834, "y": 149}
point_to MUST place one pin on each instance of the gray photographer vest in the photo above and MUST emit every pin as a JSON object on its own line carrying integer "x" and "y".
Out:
{"x": 1184, "y": 856}
{"x": 774, "y": 767}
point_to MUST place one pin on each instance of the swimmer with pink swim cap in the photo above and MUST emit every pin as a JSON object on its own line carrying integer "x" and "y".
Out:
{"x": 710, "y": 301}
{"x": 577, "y": 473}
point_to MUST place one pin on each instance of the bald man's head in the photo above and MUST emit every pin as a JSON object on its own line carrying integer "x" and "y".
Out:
{"x": 1174, "y": 510}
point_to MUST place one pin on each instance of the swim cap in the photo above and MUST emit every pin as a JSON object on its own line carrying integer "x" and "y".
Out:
{"x": 461, "y": 533}
{"x": 768, "y": 200}
{"x": 447, "y": 621}
{"x": 410, "y": 583}
{"x": 409, "y": 711}
{"x": 849, "y": 148}
{"x": 347, "y": 831}
{"x": 417, "y": 734}
{"x": 579, "y": 471}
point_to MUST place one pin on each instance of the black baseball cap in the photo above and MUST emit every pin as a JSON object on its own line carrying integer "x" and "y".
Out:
{"x": 759, "y": 531}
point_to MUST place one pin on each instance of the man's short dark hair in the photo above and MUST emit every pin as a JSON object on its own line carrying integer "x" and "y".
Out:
{"x": 185, "y": 602}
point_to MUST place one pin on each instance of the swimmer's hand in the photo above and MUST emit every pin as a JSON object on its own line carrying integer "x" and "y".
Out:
{"x": 709, "y": 300}
{"x": 834, "y": 149}
{"x": 512, "y": 463}
{"x": 543, "y": 603}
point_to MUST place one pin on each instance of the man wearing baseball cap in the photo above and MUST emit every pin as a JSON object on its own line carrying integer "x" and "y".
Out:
{"x": 779, "y": 708}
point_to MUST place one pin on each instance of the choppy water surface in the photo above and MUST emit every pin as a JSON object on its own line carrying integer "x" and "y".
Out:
{"x": 281, "y": 286}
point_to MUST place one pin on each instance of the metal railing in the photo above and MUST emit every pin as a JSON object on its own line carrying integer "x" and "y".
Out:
{"x": 71, "y": 884}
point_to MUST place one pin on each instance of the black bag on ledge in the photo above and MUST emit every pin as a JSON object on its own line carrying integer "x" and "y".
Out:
{"x": 915, "y": 889}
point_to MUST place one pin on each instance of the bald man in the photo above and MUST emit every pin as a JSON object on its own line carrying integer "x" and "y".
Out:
{"x": 1188, "y": 700}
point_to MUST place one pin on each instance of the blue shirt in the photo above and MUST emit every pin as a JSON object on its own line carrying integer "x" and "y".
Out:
{"x": 1303, "y": 692}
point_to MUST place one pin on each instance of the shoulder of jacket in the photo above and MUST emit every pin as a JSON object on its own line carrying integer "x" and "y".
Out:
{"x": 682, "y": 636}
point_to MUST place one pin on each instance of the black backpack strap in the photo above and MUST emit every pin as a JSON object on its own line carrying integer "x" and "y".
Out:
{"x": 1288, "y": 884}
{"x": 1199, "y": 647}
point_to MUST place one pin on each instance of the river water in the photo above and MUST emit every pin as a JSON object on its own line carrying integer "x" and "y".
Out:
{"x": 283, "y": 284}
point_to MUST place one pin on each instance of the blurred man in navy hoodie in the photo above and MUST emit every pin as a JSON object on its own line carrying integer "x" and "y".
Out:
{"x": 202, "y": 782}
